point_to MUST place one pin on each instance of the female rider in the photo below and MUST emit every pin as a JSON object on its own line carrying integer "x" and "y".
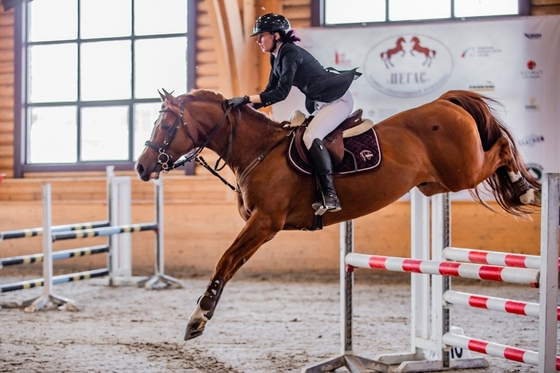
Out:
{"x": 326, "y": 91}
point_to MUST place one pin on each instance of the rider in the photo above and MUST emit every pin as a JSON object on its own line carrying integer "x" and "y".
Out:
{"x": 326, "y": 91}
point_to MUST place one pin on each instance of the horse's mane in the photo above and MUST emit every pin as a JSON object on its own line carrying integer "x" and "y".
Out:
{"x": 216, "y": 97}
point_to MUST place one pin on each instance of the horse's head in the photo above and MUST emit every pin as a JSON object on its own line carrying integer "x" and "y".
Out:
{"x": 168, "y": 141}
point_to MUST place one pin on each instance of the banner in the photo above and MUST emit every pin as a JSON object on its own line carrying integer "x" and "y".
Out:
{"x": 513, "y": 60}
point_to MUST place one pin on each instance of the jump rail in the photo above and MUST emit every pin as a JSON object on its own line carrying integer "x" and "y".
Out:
{"x": 57, "y": 255}
{"x": 495, "y": 349}
{"x": 494, "y": 303}
{"x": 493, "y": 257}
{"x": 85, "y": 275}
{"x": 431, "y": 267}
{"x": 33, "y": 232}
{"x": 107, "y": 231}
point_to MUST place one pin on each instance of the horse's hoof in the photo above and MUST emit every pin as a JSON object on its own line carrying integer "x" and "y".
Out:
{"x": 538, "y": 198}
{"x": 531, "y": 197}
{"x": 194, "y": 329}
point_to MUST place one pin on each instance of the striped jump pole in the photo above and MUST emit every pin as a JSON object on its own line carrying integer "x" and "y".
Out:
{"x": 33, "y": 232}
{"x": 493, "y": 257}
{"x": 106, "y": 231}
{"x": 494, "y": 304}
{"x": 55, "y": 280}
{"x": 495, "y": 349}
{"x": 431, "y": 267}
{"x": 57, "y": 255}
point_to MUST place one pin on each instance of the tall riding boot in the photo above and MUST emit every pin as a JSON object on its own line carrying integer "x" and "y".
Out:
{"x": 321, "y": 162}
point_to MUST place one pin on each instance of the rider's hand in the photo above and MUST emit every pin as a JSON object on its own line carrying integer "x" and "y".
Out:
{"x": 238, "y": 101}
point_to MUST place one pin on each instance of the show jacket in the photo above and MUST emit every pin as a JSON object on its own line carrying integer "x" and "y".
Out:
{"x": 294, "y": 66}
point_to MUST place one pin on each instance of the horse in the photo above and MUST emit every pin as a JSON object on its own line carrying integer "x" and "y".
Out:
{"x": 451, "y": 144}
{"x": 386, "y": 56}
{"x": 430, "y": 54}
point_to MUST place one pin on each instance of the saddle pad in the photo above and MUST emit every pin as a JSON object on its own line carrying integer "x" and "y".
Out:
{"x": 361, "y": 153}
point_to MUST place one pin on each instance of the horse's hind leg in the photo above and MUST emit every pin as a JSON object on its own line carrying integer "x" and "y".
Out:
{"x": 257, "y": 231}
{"x": 526, "y": 194}
{"x": 501, "y": 154}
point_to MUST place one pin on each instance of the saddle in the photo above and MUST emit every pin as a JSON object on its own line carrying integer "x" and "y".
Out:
{"x": 353, "y": 145}
{"x": 354, "y": 125}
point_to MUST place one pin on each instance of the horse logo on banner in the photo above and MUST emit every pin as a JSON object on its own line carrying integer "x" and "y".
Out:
{"x": 408, "y": 65}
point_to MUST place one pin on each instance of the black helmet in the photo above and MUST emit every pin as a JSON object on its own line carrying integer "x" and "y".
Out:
{"x": 271, "y": 22}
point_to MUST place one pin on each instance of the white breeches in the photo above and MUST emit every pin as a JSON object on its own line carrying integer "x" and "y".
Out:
{"x": 328, "y": 115}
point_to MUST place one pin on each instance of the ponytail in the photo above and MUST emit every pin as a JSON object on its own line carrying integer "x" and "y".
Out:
{"x": 289, "y": 37}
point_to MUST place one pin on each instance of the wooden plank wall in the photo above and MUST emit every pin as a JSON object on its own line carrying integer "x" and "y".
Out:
{"x": 545, "y": 7}
{"x": 6, "y": 92}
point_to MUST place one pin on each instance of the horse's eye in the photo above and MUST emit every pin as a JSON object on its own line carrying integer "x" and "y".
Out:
{"x": 165, "y": 126}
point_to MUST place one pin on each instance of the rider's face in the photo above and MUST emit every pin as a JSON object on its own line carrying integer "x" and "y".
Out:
{"x": 265, "y": 40}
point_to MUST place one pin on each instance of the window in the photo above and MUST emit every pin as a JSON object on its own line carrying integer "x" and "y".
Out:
{"x": 337, "y": 12}
{"x": 89, "y": 71}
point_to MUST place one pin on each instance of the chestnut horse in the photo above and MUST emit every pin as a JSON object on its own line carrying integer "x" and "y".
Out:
{"x": 453, "y": 143}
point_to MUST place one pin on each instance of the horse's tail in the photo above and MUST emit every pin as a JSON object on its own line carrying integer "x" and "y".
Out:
{"x": 491, "y": 129}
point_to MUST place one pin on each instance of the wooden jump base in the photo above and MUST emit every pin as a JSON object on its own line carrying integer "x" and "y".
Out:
{"x": 439, "y": 339}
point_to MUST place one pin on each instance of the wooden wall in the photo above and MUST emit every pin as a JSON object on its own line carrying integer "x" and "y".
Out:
{"x": 201, "y": 217}
{"x": 6, "y": 92}
{"x": 544, "y": 7}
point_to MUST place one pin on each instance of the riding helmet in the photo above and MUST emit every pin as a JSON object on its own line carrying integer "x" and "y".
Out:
{"x": 271, "y": 22}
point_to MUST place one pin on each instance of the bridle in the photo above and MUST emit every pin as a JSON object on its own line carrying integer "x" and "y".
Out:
{"x": 165, "y": 160}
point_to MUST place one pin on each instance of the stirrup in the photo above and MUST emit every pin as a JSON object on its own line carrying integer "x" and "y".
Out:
{"x": 322, "y": 206}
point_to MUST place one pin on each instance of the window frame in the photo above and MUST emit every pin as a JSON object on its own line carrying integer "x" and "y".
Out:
{"x": 20, "y": 106}
{"x": 318, "y": 16}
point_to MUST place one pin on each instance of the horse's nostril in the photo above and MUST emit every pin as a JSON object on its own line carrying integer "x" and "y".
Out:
{"x": 139, "y": 168}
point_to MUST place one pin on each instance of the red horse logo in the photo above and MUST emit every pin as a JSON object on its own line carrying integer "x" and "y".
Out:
{"x": 428, "y": 53}
{"x": 386, "y": 56}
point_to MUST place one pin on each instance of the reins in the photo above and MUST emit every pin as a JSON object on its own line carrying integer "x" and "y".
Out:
{"x": 195, "y": 154}
{"x": 164, "y": 158}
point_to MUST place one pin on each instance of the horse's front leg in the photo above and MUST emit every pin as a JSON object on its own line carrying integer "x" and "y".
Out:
{"x": 257, "y": 231}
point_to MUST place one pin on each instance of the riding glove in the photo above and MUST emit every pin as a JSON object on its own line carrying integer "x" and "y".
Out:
{"x": 238, "y": 101}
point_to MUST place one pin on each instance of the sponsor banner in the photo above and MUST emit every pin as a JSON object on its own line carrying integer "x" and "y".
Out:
{"x": 513, "y": 60}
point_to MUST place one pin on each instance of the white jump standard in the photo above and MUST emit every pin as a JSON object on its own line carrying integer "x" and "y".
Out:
{"x": 431, "y": 293}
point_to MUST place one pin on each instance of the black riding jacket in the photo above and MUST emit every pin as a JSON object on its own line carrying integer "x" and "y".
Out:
{"x": 294, "y": 66}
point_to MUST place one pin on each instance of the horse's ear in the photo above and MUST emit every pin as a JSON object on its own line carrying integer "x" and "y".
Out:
{"x": 169, "y": 97}
{"x": 161, "y": 95}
